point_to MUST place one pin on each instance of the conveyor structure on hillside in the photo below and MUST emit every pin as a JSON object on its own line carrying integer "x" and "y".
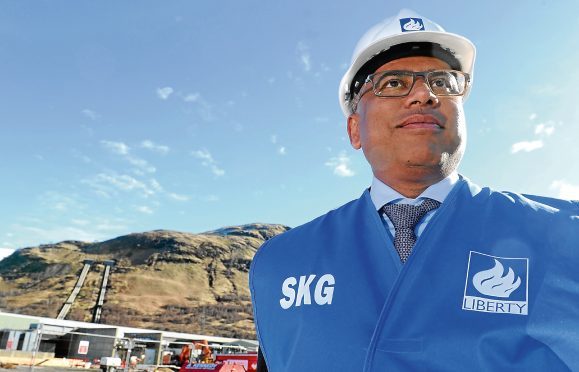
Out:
{"x": 96, "y": 317}
{"x": 79, "y": 283}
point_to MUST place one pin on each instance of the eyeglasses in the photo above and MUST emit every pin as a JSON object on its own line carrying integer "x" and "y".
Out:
{"x": 398, "y": 83}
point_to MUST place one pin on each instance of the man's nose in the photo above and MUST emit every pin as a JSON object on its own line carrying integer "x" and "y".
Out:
{"x": 421, "y": 94}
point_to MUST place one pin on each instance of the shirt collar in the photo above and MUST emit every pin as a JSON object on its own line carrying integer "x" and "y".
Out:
{"x": 382, "y": 194}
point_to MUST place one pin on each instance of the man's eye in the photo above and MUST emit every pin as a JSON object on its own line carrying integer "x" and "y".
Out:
{"x": 439, "y": 83}
{"x": 393, "y": 83}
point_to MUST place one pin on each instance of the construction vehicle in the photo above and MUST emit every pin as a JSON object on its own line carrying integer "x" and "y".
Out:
{"x": 231, "y": 358}
{"x": 225, "y": 363}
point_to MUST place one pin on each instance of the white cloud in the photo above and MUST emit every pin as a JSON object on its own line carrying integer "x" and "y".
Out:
{"x": 121, "y": 182}
{"x": 178, "y": 197}
{"x": 116, "y": 147}
{"x": 100, "y": 191}
{"x": 56, "y": 234}
{"x": 88, "y": 230}
{"x": 204, "y": 155}
{"x": 565, "y": 190}
{"x": 102, "y": 225}
{"x": 164, "y": 93}
{"x": 217, "y": 171}
{"x": 304, "y": 55}
{"x": 144, "y": 209}
{"x": 545, "y": 128}
{"x": 208, "y": 161}
{"x": 192, "y": 97}
{"x": 90, "y": 114}
{"x": 204, "y": 108}
{"x": 108, "y": 226}
{"x": 281, "y": 149}
{"x": 5, "y": 252}
{"x": 533, "y": 116}
{"x": 141, "y": 164}
{"x": 156, "y": 185}
{"x": 547, "y": 89}
{"x": 79, "y": 222}
{"x": 123, "y": 149}
{"x": 128, "y": 183}
{"x": 306, "y": 61}
{"x": 526, "y": 146}
{"x": 59, "y": 202}
{"x": 342, "y": 170}
{"x": 210, "y": 198}
{"x": 150, "y": 145}
{"x": 340, "y": 164}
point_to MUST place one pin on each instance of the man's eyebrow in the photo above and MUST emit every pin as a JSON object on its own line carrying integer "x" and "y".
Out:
{"x": 414, "y": 72}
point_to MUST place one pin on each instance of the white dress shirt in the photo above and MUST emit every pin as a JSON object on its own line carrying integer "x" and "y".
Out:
{"x": 382, "y": 194}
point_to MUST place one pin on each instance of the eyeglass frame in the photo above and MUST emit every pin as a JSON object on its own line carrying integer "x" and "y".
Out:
{"x": 414, "y": 74}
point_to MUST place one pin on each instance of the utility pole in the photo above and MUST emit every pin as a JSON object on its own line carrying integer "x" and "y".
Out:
{"x": 130, "y": 346}
{"x": 38, "y": 333}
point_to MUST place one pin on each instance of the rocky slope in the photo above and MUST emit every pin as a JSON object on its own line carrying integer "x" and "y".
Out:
{"x": 167, "y": 280}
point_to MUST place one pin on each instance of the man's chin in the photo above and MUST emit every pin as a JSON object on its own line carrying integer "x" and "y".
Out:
{"x": 438, "y": 168}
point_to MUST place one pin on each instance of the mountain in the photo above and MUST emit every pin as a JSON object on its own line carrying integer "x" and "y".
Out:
{"x": 167, "y": 280}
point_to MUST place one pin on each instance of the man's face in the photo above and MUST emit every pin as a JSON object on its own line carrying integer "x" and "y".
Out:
{"x": 416, "y": 138}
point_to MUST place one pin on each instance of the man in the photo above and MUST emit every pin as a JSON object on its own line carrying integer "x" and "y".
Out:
{"x": 426, "y": 271}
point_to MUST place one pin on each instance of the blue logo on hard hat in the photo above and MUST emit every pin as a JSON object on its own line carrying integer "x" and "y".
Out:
{"x": 411, "y": 24}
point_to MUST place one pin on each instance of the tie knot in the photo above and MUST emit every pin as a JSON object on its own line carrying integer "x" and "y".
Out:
{"x": 406, "y": 216}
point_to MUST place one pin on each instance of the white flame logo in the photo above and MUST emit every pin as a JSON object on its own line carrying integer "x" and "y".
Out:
{"x": 492, "y": 282}
{"x": 412, "y": 25}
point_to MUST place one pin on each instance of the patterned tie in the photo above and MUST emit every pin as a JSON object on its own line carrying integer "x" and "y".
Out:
{"x": 404, "y": 217}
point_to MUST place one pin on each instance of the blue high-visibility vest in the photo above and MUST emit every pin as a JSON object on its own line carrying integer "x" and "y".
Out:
{"x": 492, "y": 284}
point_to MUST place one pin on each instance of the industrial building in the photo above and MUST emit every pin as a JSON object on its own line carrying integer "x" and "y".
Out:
{"x": 41, "y": 339}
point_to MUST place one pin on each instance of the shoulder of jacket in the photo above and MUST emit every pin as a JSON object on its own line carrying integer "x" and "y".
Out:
{"x": 529, "y": 202}
{"x": 329, "y": 220}
{"x": 294, "y": 237}
{"x": 544, "y": 203}
{"x": 560, "y": 204}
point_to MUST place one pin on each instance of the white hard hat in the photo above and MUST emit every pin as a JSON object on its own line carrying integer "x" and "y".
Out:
{"x": 406, "y": 27}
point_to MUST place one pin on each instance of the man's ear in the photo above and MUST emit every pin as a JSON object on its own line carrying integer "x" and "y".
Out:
{"x": 354, "y": 130}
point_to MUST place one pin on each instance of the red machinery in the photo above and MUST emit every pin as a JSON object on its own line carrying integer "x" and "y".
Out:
{"x": 225, "y": 363}
{"x": 186, "y": 350}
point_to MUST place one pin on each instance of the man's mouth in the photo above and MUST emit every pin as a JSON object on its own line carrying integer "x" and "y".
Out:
{"x": 421, "y": 121}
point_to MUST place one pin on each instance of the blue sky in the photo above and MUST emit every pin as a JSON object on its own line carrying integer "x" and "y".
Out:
{"x": 126, "y": 116}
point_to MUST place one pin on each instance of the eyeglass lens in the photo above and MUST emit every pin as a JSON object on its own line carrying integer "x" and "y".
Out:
{"x": 399, "y": 83}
